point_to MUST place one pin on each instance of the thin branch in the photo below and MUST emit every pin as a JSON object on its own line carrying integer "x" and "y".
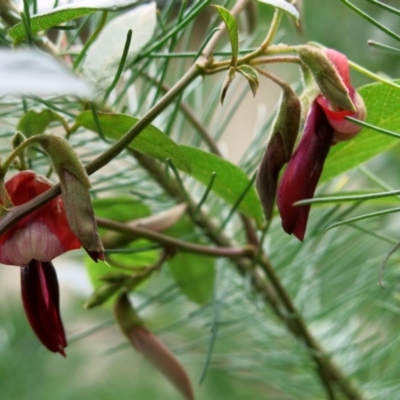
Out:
{"x": 176, "y": 244}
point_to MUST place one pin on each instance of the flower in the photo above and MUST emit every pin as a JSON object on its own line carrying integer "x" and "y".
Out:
{"x": 303, "y": 171}
{"x": 325, "y": 126}
{"x": 32, "y": 244}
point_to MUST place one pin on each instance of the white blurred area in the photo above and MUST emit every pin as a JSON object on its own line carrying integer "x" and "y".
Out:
{"x": 46, "y": 5}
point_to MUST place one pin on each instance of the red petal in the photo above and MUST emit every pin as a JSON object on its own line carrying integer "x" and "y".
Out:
{"x": 24, "y": 187}
{"x": 40, "y": 296}
{"x": 303, "y": 171}
{"x": 344, "y": 130}
{"x": 341, "y": 64}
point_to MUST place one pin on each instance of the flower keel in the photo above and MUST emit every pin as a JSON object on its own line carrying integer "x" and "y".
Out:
{"x": 303, "y": 171}
{"x": 40, "y": 297}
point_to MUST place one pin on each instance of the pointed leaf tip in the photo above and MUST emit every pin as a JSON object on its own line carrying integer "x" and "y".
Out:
{"x": 251, "y": 76}
{"x": 230, "y": 76}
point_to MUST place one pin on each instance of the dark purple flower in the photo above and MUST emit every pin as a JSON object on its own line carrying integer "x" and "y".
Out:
{"x": 325, "y": 126}
{"x": 40, "y": 296}
{"x": 32, "y": 244}
{"x": 303, "y": 171}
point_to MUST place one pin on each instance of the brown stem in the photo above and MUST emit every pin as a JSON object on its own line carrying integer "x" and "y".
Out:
{"x": 176, "y": 244}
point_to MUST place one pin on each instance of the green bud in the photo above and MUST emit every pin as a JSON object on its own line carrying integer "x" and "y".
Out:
{"x": 18, "y": 139}
{"x": 75, "y": 187}
{"x": 279, "y": 149}
{"x": 63, "y": 156}
{"x": 326, "y": 77}
{"x": 81, "y": 219}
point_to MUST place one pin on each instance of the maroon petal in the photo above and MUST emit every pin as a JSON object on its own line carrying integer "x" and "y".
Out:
{"x": 40, "y": 296}
{"x": 303, "y": 171}
{"x": 42, "y": 235}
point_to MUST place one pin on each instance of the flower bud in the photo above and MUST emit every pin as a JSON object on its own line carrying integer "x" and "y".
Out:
{"x": 81, "y": 219}
{"x": 17, "y": 139}
{"x": 148, "y": 344}
{"x": 279, "y": 149}
{"x": 75, "y": 186}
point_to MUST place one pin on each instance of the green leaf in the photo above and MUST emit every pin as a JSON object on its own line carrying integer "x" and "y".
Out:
{"x": 102, "y": 60}
{"x": 284, "y": 6}
{"x": 139, "y": 254}
{"x": 120, "y": 209}
{"x": 381, "y": 102}
{"x": 35, "y": 122}
{"x": 251, "y": 75}
{"x": 231, "y": 26}
{"x": 60, "y": 15}
{"x": 230, "y": 180}
{"x": 151, "y": 141}
{"x": 195, "y": 275}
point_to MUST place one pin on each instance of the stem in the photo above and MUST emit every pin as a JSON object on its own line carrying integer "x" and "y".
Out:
{"x": 272, "y": 30}
{"x": 170, "y": 242}
{"x": 17, "y": 151}
{"x": 275, "y": 294}
{"x": 329, "y": 372}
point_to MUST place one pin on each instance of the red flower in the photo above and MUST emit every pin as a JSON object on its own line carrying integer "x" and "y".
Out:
{"x": 344, "y": 130}
{"x": 325, "y": 125}
{"x": 32, "y": 244}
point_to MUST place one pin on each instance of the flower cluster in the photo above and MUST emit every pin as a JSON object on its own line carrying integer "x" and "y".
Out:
{"x": 325, "y": 125}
